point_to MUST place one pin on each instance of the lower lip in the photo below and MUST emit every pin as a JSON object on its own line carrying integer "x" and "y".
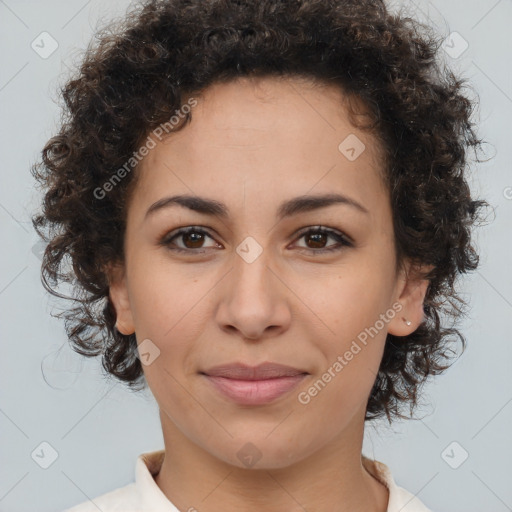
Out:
{"x": 255, "y": 392}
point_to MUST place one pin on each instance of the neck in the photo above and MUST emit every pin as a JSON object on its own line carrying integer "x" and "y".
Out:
{"x": 331, "y": 479}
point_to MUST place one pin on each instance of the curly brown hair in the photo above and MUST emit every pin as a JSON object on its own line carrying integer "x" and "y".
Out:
{"x": 134, "y": 77}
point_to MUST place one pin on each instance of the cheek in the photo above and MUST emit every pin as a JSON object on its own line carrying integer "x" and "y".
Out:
{"x": 164, "y": 296}
{"x": 352, "y": 307}
{"x": 351, "y": 302}
{"x": 166, "y": 305}
{"x": 350, "y": 359}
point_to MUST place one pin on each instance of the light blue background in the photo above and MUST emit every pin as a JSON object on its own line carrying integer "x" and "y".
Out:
{"x": 98, "y": 427}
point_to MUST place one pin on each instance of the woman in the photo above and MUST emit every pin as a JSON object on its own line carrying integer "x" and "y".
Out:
{"x": 266, "y": 206}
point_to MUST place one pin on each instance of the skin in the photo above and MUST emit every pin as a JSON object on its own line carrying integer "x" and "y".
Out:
{"x": 252, "y": 144}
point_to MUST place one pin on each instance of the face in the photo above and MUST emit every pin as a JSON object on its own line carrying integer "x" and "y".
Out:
{"x": 254, "y": 281}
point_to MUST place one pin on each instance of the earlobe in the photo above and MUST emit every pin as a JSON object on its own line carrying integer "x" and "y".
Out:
{"x": 411, "y": 298}
{"x": 118, "y": 293}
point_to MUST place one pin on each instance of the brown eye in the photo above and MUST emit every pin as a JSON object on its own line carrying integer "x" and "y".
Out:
{"x": 317, "y": 240}
{"x": 191, "y": 238}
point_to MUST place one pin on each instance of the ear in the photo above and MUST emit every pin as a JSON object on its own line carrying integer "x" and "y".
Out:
{"x": 118, "y": 293}
{"x": 410, "y": 294}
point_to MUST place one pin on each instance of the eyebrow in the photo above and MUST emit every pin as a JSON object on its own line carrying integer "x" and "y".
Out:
{"x": 288, "y": 208}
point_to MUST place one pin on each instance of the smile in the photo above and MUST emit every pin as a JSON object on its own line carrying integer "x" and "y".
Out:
{"x": 254, "y": 392}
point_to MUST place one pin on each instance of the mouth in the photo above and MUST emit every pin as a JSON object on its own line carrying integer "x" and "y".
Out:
{"x": 254, "y": 385}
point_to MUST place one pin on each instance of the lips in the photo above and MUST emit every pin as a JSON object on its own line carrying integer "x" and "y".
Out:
{"x": 254, "y": 385}
{"x": 263, "y": 371}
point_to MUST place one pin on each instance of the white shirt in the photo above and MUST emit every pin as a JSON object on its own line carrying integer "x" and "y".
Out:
{"x": 144, "y": 495}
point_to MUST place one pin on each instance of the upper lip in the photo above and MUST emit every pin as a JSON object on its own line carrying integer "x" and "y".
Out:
{"x": 262, "y": 371}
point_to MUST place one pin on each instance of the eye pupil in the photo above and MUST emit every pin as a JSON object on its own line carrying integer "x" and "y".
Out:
{"x": 196, "y": 237}
{"x": 317, "y": 239}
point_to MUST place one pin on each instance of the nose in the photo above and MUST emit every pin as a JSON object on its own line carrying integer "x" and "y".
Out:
{"x": 254, "y": 301}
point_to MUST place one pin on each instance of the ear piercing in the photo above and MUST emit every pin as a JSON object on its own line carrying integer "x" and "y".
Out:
{"x": 407, "y": 322}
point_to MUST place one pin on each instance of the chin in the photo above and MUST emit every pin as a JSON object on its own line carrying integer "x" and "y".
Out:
{"x": 260, "y": 452}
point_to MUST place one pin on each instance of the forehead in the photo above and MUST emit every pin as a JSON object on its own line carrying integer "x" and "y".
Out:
{"x": 289, "y": 106}
{"x": 264, "y": 135}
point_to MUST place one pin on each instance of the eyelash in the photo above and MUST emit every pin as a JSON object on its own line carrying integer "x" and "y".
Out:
{"x": 340, "y": 238}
